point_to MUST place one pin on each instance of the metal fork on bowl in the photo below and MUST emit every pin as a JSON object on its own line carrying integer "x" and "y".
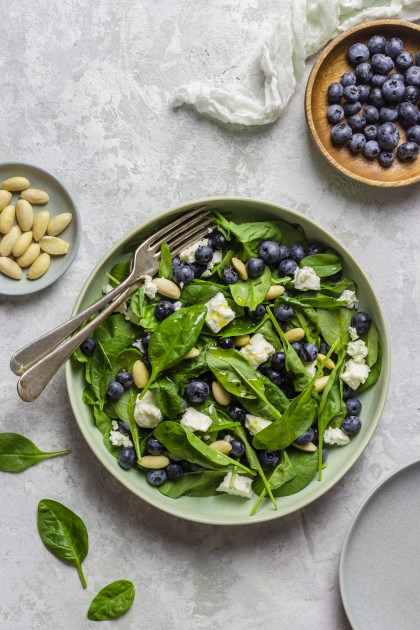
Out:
{"x": 38, "y": 362}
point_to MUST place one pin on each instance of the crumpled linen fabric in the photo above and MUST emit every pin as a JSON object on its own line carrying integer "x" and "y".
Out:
{"x": 305, "y": 27}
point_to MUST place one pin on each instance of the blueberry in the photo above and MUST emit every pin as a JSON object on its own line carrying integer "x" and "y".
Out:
{"x": 238, "y": 448}
{"x": 297, "y": 253}
{"x": 348, "y": 78}
{"x": 163, "y": 309}
{"x": 284, "y": 312}
{"x": 283, "y": 252}
{"x": 115, "y": 389}
{"x": 174, "y": 470}
{"x": 372, "y": 149}
{"x": 154, "y": 447}
{"x": 230, "y": 275}
{"x": 354, "y": 406}
{"x": 352, "y": 108}
{"x": 255, "y": 267}
{"x": 376, "y": 44}
{"x": 125, "y": 379}
{"x": 411, "y": 94}
{"x": 388, "y": 114}
{"x": 363, "y": 93}
{"x": 357, "y": 122}
{"x": 381, "y": 64}
{"x": 315, "y": 439}
{"x": 351, "y": 93}
{"x": 218, "y": 241}
{"x": 176, "y": 262}
{"x": 257, "y": 314}
{"x": 127, "y": 457}
{"x": 408, "y": 114}
{"x": 408, "y": 151}
{"x": 324, "y": 455}
{"x": 146, "y": 340}
{"x": 371, "y": 114}
{"x": 197, "y": 391}
{"x": 376, "y": 98}
{"x": 309, "y": 352}
{"x": 363, "y": 73}
{"x": 412, "y": 76}
{"x": 297, "y": 347}
{"x": 184, "y": 274}
{"x": 370, "y": 132}
{"x": 269, "y": 459}
{"x": 197, "y": 269}
{"x": 357, "y": 143}
{"x": 404, "y": 60}
{"x": 156, "y": 477}
{"x": 397, "y": 76}
{"x": 274, "y": 376}
{"x": 287, "y": 267}
{"x": 351, "y": 425}
{"x": 335, "y": 92}
{"x": 227, "y": 343}
{"x": 306, "y": 437}
{"x": 237, "y": 413}
{"x": 388, "y": 136}
{"x": 378, "y": 80}
{"x": 348, "y": 392}
{"x": 393, "y": 91}
{"x": 314, "y": 248}
{"x": 358, "y": 53}
{"x": 88, "y": 346}
{"x": 413, "y": 134}
{"x": 386, "y": 158}
{"x": 341, "y": 133}
{"x": 269, "y": 251}
{"x": 203, "y": 254}
{"x": 393, "y": 47}
{"x": 324, "y": 348}
{"x": 278, "y": 360}
{"x": 361, "y": 322}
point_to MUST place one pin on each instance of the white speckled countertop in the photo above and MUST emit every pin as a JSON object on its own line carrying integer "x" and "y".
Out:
{"x": 86, "y": 93}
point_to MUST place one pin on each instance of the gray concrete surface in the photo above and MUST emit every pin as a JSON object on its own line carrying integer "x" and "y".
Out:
{"x": 86, "y": 93}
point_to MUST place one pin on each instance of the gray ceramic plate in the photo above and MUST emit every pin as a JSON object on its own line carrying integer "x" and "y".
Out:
{"x": 230, "y": 510}
{"x": 60, "y": 201}
{"x": 380, "y": 559}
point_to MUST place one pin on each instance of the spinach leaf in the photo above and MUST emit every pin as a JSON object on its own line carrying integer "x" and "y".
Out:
{"x": 270, "y": 334}
{"x": 294, "y": 365}
{"x": 338, "y": 287}
{"x": 332, "y": 405}
{"x": 198, "y": 293}
{"x": 167, "y": 398}
{"x": 242, "y": 326}
{"x": 276, "y": 397}
{"x": 112, "y": 601}
{"x": 63, "y": 533}
{"x": 98, "y": 376}
{"x": 88, "y": 396}
{"x": 304, "y": 466}
{"x": 102, "y": 420}
{"x": 374, "y": 372}
{"x": 323, "y": 264}
{"x": 124, "y": 361}
{"x": 194, "y": 484}
{"x": 283, "y": 473}
{"x": 312, "y": 300}
{"x": 235, "y": 373}
{"x": 17, "y": 453}
{"x": 79, "y": 356}
{"x": 111, "y": 448}
{"x": 165, "y": 263}
{"x": 335, "y": 325}
{"x": 250, "y": 235}
{"x": 371, "y": 339}
{"x": 114, "y": 335}
{"x": 251, "y": 292}
{"x": 120, "y": 272}
{"x": 124, "y": 408}
{"x": 225, "y": 262}
{"x": 307, "y": 318}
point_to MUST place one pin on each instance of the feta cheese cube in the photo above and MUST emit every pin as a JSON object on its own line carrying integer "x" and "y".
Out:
{"x": 117, "y": 438}
{"x": 255, "y": 424}
{"x": 355, "y": 373}
{"x": 305, "y": 279}
{"x": 149, "y": 287}
{"x": 357, "y": 350}
{"x": 146, "y": 413}
{"x": 242, "y": 486}
{"x": 310, "y": 367}
{"x": 195, "y": 420}
{"x": 336, "y": 436}
{"x": 349, "y": 297}
{"x": 188, "y": 254}
{"x": 219, "y": 313}
{"x": 353, "y": 333}
{"x": 257, "y": 350}
{"x": 138, "y": 344}
{"x": 177, "y": 305}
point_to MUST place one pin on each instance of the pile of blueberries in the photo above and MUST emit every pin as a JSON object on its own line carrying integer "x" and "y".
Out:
{"x": 388, "y": 98}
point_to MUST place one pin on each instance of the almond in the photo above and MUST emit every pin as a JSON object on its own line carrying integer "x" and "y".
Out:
{"x": 7, "y": 242}
{"x": 53, "y": 245}
{"x": 140, "y": 374}
{"x": 14, "y": 184}
{"x": 274, "y": 292}
{"x": 7, "y": 218}
{"x": 41, "y": 222}
{"x": 240, "y": 268}
{"x": 39, "y": 267}
{"x": 21, "y": 244}
{"x": 29, "y": 256}
{"x": 242, "y": 340}
{"x": 321, "y": 383}
{"x": 10, "y": 268}
{"x": 154, "y": 461}
{"x": 309, "y": 447}
{"x": 5, "y": 197}
{"x": 167, "y": 288}
{"x": 59, "y": 223}
{"x": 35, "y": 196}
{"x": 24, "y": 214}
{"x": 222, "y": 446}
{"x": 296, "y": 334}
{"x": 221, "y": 395}
{"x": 194, "y": 352}
{"x": 330, "y": 365}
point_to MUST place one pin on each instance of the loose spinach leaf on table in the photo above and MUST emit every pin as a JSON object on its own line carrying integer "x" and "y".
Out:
{"x": 194, "y": 484}
{"x": 323, "y": 264}
{"x": 17, "y": 453}
{"x": 112, "y": 601}
{"x": 63, "y": 533}
{"x": 165, "y": 263}
{"x": 304, "y": 466}
{"x": 251, "y": 292}
{"x": 335, "y": 325}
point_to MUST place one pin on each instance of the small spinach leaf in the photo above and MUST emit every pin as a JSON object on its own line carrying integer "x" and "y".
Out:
{"x": 112, "y": 601}
{"x": 374, "y": 372}
{"x": 165, "y": 263}
{"x": 304, "y": 466}
{"x": 323, "y": 264}
{"x": 251, "y": 292}
{"x": 235, "y": 373}
{"x": 17, "y": 453}
{"x": 102, "y": 420}
{"x": 335, "y": 325}
{"x": 167, "y": 397}
{"x": 194, "y": 484}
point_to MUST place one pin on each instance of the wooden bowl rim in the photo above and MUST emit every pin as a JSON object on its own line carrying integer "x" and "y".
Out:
{"x": 308, "y": 99}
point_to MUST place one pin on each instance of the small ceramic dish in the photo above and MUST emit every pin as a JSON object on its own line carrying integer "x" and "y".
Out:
{"x": 329, "y": 67}
{"x": 60, "y": 201}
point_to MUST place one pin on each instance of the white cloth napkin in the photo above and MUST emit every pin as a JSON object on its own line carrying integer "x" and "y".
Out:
{"x": 304, "y": 28}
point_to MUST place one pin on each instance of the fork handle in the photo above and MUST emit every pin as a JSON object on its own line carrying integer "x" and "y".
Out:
{"x": 24, "y": 358}
{"x": 35, "y": 379}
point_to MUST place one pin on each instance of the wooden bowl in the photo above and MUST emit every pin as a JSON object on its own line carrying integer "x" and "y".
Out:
{"x": 328, "y": 69}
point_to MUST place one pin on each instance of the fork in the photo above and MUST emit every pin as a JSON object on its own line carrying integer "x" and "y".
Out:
{"x": 39, "y": 361}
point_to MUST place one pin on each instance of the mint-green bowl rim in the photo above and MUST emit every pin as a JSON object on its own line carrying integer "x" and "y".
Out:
{"x": 291, "y": 216}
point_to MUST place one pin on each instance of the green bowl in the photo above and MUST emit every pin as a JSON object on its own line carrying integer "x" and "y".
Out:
{"x": 227, "y": 509}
